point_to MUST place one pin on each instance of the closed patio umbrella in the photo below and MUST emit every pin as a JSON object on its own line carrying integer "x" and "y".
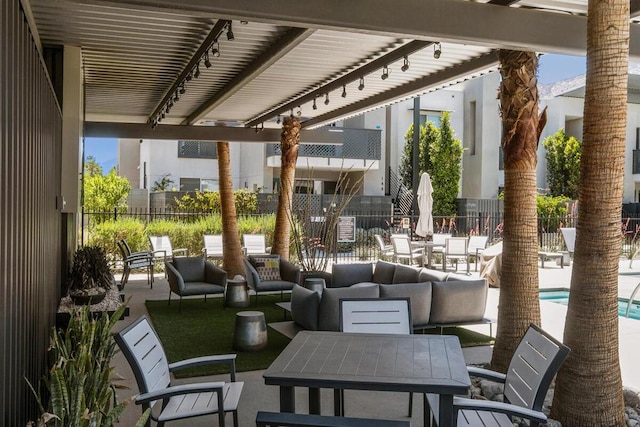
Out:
{"x": 425, "y": 205}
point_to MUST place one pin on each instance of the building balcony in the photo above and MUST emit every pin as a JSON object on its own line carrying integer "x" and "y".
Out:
{"x": 359, "y": 151}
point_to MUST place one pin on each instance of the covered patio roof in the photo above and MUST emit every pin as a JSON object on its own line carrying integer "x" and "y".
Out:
{"x": 241, "y": 64}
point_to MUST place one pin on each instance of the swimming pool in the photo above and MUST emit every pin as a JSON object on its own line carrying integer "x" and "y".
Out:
{"x": 561, "y": 296}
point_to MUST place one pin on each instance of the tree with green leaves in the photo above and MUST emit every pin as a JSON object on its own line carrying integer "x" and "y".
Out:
{"x": 445, "y": 154}
{"x": 428, "y": 135}
{"x": 162, "y": 184}
{"x": 103, "y": 193}
{"x": 92, "y": 167}
{"x": 563, "y": 164}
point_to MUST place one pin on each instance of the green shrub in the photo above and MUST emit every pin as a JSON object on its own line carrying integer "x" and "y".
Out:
{"x": 105, "y": 234}
{"x": 246, "y": 202}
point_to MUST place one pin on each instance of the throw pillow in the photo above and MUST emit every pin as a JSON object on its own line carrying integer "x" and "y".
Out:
{"x": 329, "y": 312}
{"x": 419, "y": 294}
{"x": 268, "y": 267}
{"x": 405, "y": 274}
{"x": 383, "y": 273}
{"x": 304, "y": 307}
{"x": 458, "y": 301}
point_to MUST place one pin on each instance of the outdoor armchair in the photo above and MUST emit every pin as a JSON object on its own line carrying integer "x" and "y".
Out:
{"x": 477, "y": 244}
{"x": 194, "y": 276}
{"x": 533, "y": 365}
{"x": 269, "y": 273}
{"x": 213, "y": 247}
{"x": 455, "y": 248}
{"x": 255, "y": 244}
{"x": 402, "y": 250}
{"x": 161, "y": 248}
{"x": 143, "y": 350}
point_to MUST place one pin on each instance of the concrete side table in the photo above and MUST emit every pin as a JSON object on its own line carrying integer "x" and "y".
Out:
{"x": 250, "y": 333}
{"x": 236, "y": 293}
{"x": 316, "y": 284}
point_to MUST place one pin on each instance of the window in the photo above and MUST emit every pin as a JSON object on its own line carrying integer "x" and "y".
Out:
{"x": 433, "y": 117}
{"x": 209, "y": 185}
{"x": 471, "y": 133}
{"x": 189, "y": 184}
{"x": 303, "y": 186}
{"x": 197, "y": 150}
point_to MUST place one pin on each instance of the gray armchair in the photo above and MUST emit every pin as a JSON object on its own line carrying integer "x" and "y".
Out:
{"x": 194, "y": 276}
{"x": 267, "y": 273}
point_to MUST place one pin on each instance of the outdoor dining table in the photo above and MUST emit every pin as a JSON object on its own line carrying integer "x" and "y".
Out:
{"x": 428, "y": 245}
{"x": 419, "y": 363}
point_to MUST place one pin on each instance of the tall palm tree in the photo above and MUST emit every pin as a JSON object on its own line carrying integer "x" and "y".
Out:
{"x": 589, "y": 385}
{"x": 232, "y": 250}
{"x": 289, "y": 144}
{"x": 521, "y": 127}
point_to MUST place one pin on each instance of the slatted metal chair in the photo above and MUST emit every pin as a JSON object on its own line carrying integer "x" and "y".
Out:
{"x": 533, "y": 366}
{"x": 477, "y": 244}
{"x": 375, "y": 315}
{"x": 455, "y": 248}
{"x": 143, "y": 350}
{"x": 255, "y": 244}
{"x": 134, "y": 260}
{"x": 385, "y": 250}
{"x": 402, "y": 250}
{"x": 162, "y": 248}
{"x": 213, "y": 246}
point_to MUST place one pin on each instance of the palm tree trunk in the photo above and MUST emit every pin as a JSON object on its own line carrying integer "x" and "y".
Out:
{"x": 232, "y": 250}
{"x": 289, "y": 143}
{"x": 519, "y": 305}
{"x": 589, "y": 385}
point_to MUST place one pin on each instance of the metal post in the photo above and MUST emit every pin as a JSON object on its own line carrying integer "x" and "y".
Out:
{"x": 416, "y": 152}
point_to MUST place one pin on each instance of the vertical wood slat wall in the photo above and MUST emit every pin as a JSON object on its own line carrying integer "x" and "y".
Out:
{"x": 30, "y": 223}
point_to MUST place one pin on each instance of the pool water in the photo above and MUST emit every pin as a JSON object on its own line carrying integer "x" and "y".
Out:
{"x": 562, "y": 297}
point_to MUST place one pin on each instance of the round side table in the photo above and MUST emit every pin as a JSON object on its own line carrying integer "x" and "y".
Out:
{"x": 250, "y": 333}
{"x": 316, "y": 284}
{"x": 236, "y": 293}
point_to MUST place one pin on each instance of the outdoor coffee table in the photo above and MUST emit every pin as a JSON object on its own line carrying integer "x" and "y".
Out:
{"x": 399, "y": 363}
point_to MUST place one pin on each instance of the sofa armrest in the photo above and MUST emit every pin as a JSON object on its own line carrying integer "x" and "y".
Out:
{"x": 289, "y": 271}
{"x": 214, "y": 274}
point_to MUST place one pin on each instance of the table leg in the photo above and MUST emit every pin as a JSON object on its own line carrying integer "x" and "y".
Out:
{"x": 446, "y": 415}
{"x": 314, "y": 400}
{"x": 287, "y": 399}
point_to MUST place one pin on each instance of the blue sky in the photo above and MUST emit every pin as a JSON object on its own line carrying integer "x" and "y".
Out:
{"x": 551, "y": 69}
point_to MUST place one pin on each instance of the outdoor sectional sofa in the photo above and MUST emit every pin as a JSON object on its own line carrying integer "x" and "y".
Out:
{"x": 438, "y": 299}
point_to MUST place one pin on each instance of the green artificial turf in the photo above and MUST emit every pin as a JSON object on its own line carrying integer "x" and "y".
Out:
{"x": 206, "y": 328}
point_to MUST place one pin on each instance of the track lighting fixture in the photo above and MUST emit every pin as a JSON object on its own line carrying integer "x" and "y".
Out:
{"x": 215, "y": 49}
{"x": 437, "y": 50}
{"x": 326, "y": 99}
{"x": 197, "y": 73}
{"x": 385, "y": 73}
{"x": 344, "y": 91}
{"x": 163, "y": 116}
{"x": 182, "y": 89}
{"x": 170, "y": 104}
{"x": 176, "y": 97}
{"x": 189, "y": 76}
{"x": 230, "y": 35}
{"x": 405, "y": 65}
{"x": 314, "y": 106}
{"x": 168, "y": 109}
{"x": 278, "y": 120}
{"x": 207, "y": 62}
{"x": 361, "y": 85}
{"x": 299, "y": 112}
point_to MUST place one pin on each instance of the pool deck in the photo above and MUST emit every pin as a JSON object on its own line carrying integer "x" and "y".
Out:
{"x": 554, "y": 314}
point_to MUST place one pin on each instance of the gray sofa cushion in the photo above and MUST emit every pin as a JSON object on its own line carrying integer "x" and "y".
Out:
{"x": 190, "y": 268}
{"x": 458, "y": 301}
{"x": 427, "y": 274}
{"x": 383, "y": 273}
{"x": 418, "y": 293}
{"x": 348, "y": 274}
{"x": 405, "y": 274}
{"x": 304, "y": 307}
{"x": 329, "y": 312}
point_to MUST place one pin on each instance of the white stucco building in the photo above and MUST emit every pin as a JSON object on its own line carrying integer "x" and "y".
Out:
{"x": 373, "y": 144}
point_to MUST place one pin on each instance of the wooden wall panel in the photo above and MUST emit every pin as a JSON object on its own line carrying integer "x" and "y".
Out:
{"x": 30, "y": 147}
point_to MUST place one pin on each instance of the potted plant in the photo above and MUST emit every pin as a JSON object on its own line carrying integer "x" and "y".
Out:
{"x": 79, "y": 389}
{"x": 90, "y": 277}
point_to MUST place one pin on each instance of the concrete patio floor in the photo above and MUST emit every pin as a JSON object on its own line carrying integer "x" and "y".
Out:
{"x": 258, "y": 396}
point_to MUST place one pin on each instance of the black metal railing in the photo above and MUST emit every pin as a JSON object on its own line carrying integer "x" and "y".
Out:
{"x": 365, "y": 144}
